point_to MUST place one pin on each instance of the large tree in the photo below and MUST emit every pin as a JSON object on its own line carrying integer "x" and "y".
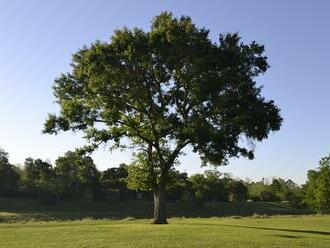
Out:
{"x": 165, "y": 89}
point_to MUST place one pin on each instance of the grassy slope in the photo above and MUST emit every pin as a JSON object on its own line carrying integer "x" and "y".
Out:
{"x": 25, "y": 209}
{"x": 299, "y": 231}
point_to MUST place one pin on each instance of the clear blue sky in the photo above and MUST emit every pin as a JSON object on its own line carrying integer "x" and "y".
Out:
{"x": 37, "y": 39}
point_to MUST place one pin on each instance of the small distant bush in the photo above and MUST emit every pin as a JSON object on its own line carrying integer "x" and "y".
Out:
{"x": 268, "y": 196}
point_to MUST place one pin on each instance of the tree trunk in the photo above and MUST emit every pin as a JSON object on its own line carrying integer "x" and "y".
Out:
{"x": 159, "y": 206}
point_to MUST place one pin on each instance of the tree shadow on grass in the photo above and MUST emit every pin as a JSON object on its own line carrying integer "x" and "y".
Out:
{"x": 284, "y": 229}
{"x": 287, "y": 236}
{"x": 270, "y": 228}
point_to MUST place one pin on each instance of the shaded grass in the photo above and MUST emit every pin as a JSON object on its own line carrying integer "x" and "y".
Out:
{"x": 14, "y": 210}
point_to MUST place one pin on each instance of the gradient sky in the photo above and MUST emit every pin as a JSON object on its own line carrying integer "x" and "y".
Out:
{"x": 37, "y": 39}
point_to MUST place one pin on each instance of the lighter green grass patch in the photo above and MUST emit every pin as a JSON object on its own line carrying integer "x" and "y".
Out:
{"x": 274, "y": 232}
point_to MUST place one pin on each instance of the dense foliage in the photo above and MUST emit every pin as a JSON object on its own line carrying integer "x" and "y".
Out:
{"x": 317, "y": 188}
{"x": 9, "y": 176}
{"x": 75, "y": 177}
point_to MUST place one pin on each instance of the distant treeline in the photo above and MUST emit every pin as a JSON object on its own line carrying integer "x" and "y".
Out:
{"x": 75, "y": 176}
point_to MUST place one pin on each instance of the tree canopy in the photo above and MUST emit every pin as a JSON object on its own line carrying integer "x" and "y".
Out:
{"x": 317, "y": 188}
{"x": 77, "y": 175}
{"x": 164, "y": 89}
{"x": 9, "y": 177}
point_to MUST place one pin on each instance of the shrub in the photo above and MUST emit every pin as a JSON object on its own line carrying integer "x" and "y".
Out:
{"x": 268, "y": 196}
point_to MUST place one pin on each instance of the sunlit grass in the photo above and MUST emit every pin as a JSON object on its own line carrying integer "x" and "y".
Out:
{"x": 289, "y": 231}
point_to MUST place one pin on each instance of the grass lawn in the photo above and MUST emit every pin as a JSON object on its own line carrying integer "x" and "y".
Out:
{"x": 26, "y": 223}
{"x": 293, "y": 231}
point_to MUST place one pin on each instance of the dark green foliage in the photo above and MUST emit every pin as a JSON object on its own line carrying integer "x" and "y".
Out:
{"x": 276, "y": 190}
{"x": 77, "y": 176}
{"x": 179, "y": 187}
{"x": 237, "y": 191}
{"x": 38, "y": 181}
{"x": 211, "y": 186}
{"x": 287, "y": 191}
{"x": 3, "y": 157}
{"x": 255, "y": 188}
{"x": 214, "y": 186}
{"x": 9, "y": 176}
{"x": 317, "y": 188}
{"x": 198, "y": 92}
{"x": 268, "y": 196}
{"x": 36, "y": 174}
{"x": 115, "y": 180}
{"x": 47, "y": 194}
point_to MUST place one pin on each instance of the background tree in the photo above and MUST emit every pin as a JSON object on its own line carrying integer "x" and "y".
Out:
{"x": 9, "y": 176}
{"x": 76, "y": 176}
{"x": 293, "y": 194}
{"x": 38, "y": 180}
{"x": 210, "y": 186}
{"x": 317, "y": 188}
{"x": 237, "y": 191}
{"x": 164, "y": 90}
{"x": 179, "y": 188}
{"x": 217, "y": 185}
{"x": 255, "y": 189}
{"x": 199, "y": 187}
{"x": 3, "y": 157}
{"x": 276, "y": 189}
{"x": 36, "y": 173}
{"x": 115, "y": 180}
{"x": 287, "y": 191}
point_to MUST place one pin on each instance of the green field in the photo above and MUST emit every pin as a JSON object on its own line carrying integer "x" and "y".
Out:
{"x": 27, "y": 223}
{"x": 297, "y": 231}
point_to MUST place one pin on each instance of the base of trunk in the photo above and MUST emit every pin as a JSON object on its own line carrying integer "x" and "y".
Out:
{"x": 164, "y": 221}
{"x": 159, "y": 207}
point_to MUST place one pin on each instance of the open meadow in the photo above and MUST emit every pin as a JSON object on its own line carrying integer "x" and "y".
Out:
{"x": 27, "y": 223}
{"x": 277, "y": 231}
